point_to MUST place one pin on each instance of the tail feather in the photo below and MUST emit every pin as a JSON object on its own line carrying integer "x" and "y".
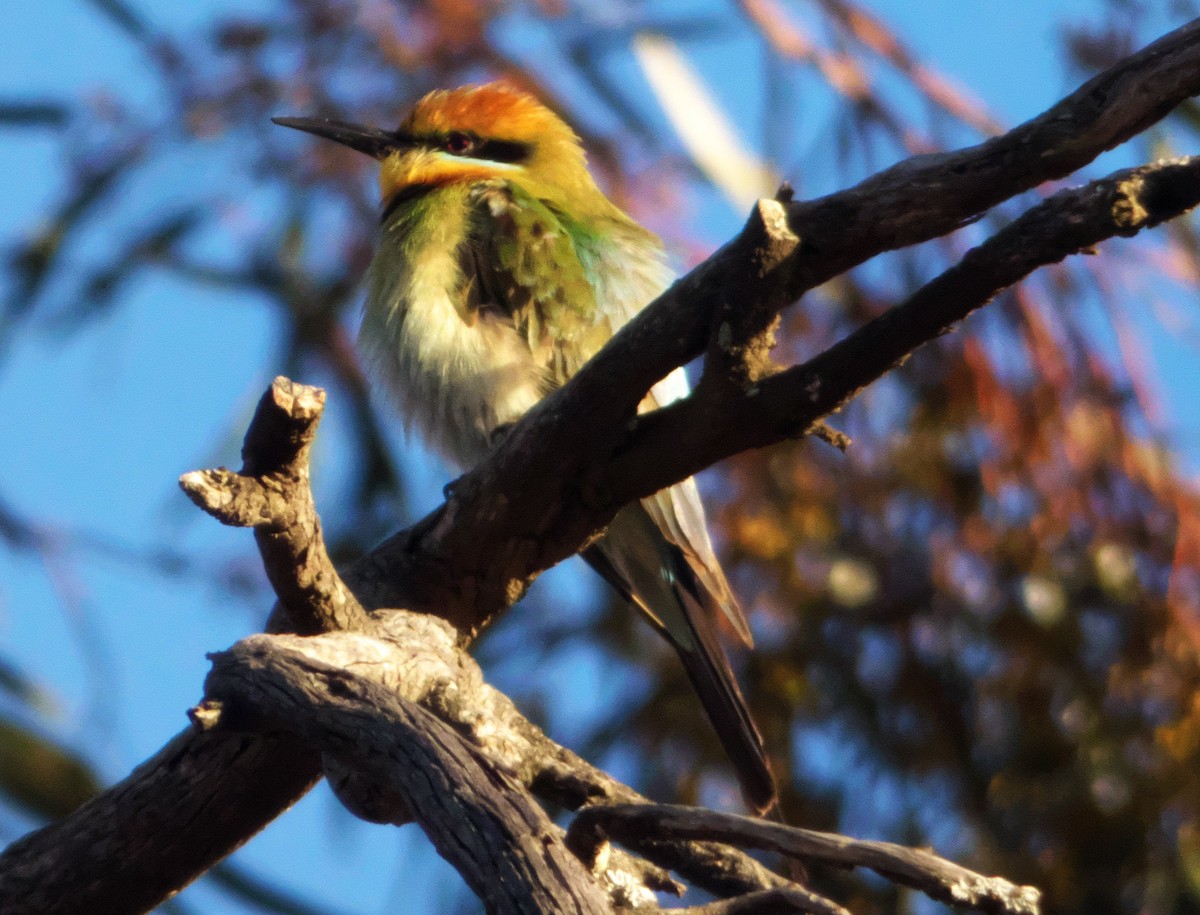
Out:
{"x": 708, "y": 668}
{"x": 652, "y": 573}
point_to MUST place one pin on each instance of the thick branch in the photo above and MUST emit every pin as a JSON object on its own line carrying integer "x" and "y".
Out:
{"x": 414, "y": 656}
{"x": 695, "y": 433}
{"x": 914, "y": 201}
{"x": 478, "y": 817}
{"x": 175, "y": 816}
{"x": 381, "y": 705}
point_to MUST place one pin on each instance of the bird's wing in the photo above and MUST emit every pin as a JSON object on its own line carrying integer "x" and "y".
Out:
{"x": 679, "y": 514}
{"x": 522, "y": 262}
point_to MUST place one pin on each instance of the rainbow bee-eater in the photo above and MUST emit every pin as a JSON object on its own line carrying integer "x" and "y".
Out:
{"x": 501, "y": 269}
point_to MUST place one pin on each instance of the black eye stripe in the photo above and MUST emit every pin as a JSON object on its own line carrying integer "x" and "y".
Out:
{"x": 508, "y": 151}
{"x": 503, "y": 151}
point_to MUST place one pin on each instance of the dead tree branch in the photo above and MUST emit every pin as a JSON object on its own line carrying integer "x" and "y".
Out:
{"x": 694, "y": 433}
{"x": 476, "y": 814}
{"x": 369, "y": 703}
{"x": 271, "y": 494}
{"x": 938, "y": 878}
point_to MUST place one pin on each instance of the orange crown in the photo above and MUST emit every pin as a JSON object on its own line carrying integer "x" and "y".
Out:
{"x": 491, "y": 110}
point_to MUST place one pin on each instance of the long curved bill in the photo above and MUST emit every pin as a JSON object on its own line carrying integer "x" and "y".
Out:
{"x": 370, "y": 140}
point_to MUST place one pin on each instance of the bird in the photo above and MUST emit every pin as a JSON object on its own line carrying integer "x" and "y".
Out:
{"x": 500, "y": 269}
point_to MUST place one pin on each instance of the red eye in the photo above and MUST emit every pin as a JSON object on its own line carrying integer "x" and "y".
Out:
{"x": 459, "y": 144}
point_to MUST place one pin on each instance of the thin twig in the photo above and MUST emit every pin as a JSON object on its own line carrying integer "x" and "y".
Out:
{"x": 933, "y": 875}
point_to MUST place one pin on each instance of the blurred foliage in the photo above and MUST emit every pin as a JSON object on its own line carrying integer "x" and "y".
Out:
{"x": 979, "y": 629}
{"x": 44, "y": 778}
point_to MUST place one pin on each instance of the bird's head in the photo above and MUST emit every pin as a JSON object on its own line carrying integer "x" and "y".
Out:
{"x": 470, "y": 134}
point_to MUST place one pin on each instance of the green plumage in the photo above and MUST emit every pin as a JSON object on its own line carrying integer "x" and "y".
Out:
{"x": 524, "y": 256}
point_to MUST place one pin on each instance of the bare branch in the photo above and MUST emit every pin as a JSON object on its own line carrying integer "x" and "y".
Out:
{"x": 743, "y": 328}
{"x": 415, "y": 656}
{"x": 478, "y": 816}
{"x": 916, "y": 200}
{"x": 935, "y": 876}
{"x": 271, "y": 494}
{"x": 571, "y": 782}
{"x": 689, "y": 435}
{"x": 127, "y": 849}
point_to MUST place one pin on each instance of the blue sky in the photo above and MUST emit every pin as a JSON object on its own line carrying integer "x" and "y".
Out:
{"x": 101, "y": 423}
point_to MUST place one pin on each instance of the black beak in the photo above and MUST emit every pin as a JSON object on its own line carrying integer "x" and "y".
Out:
{"x": 370, "y": 140}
